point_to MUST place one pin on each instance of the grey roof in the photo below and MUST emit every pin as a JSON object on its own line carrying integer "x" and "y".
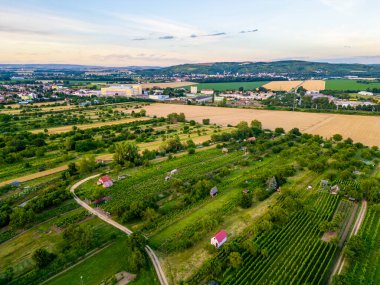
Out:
{"x": 214, "y": 190}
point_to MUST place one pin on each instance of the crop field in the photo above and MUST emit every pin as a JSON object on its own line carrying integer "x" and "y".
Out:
{"x": 64, "y": 129}
{"x": 325, "y": 125}
{"x": 112, "y": 259}
{"x": 366, "y": 271}
{"x": 350, "y": 84}
{"x": 282, "y": 85}
{"x": 166, "y": 84}
{"x": 289, "y": 85}
{"x": 296, "y": 254}
{"x": 314, "y": 85}
{"x": 223, "y": 86}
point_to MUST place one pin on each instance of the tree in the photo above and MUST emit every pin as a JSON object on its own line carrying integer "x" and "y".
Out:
{"x": 42, "y": 257}
{"x": 246, "y": 200}
{"x": 235, "y": 259}
{"x": 337, "y": 137}
{"x": 127, "y": 152}
{"x": 279, "y": 131}
{"x": 86, "y": 164}
{"x": 72, "y": 169}
{"x": 256, "y": 124}
{"x": 206, "y": 121}
{"x": 355, "y": 248}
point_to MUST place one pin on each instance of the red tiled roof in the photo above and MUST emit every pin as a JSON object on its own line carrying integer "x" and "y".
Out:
{"x": 105, "y": 178}
{"x": 220, "y": 236}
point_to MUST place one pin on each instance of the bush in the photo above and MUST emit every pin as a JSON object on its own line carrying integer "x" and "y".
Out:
{"x": 42, "y": 257}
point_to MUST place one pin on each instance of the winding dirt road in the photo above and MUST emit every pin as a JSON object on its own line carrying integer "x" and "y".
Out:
{"x": 153, "y": 257}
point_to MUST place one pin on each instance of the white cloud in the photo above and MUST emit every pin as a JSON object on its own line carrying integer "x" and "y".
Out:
{"x": 344, "y": 6}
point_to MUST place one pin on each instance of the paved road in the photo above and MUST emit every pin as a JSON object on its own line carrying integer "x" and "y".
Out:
{"x": 153, "y": 257}
{"x": 342, "y": 260}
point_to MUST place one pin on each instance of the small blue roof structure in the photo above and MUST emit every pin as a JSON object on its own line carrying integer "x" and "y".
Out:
{"x": 15, "y": 183}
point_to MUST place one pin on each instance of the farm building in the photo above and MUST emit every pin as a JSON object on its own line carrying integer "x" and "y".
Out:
{"x": 106, "y": 181}
{"x": 219, "y": 238}
{"x": 224, "y": 150}
{"x": 365, "y": 93}
{"x": 214, "y": 191}
{"x": 334, "y": 190}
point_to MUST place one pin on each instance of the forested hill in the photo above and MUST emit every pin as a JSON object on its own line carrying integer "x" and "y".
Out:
{"x": 290, "y": 67}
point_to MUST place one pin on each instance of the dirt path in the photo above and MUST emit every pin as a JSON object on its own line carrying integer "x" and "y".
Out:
{"x": 348, "y": 227}
{"x": 342, "y": 260}
{"x": 153, "y": 257}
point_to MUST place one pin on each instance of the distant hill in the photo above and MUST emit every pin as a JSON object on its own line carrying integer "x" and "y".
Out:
{"x": 290, "y": 67}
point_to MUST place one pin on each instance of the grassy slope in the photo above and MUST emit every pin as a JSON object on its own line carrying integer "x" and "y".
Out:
{"x": 103, "y": 265}
{"x": 347, "y": 84}
{"x": 18, "y": 251}
{"x": 223, "y": 86}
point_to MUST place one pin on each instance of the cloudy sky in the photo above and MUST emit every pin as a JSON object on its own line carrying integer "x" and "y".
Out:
{"x": 150, "y": 32}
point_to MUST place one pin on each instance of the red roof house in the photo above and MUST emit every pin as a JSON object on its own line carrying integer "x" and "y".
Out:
{"x": 219, "y": 238}
{"x": 105, "y": 180}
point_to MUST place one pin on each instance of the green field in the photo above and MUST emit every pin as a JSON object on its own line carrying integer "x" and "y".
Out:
{"x": 104, "y": 265}
{"x": 348, "y": 84}
{"x": 223, "y": 86}
{"x": 365, "y": 269}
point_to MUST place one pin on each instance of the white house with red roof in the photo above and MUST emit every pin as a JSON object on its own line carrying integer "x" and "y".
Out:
{"x": 219, "y": 238}
{"x": 106, "y": 181}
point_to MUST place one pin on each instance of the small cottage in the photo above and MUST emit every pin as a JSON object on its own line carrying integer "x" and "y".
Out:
{"x": 251, "y": 139}
{"x": 214, "y": 191}
{"x": 219, "y": 239}
{"x": 334, "y": 190}
{"x": 224, "y": 150}
{"x": 106, "y": 181}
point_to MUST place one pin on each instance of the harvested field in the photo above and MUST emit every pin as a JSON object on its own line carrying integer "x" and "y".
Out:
{"x": 167, "y": 84}
{"x": 314, "y": 85}
{"x": 364, "y": 129}
{"x": 63, "y": 129}
{"x": 282, "y": 85}
{"x": 289, "y": 85}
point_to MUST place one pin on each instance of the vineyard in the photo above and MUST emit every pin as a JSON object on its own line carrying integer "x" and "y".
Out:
{"x": 367, "y": 271}
{"x": 293, "y": 254}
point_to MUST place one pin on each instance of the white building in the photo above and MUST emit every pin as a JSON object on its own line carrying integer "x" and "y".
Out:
{"x": 207, "y": 92}
{"x": 122, "y": 90}
{"x": 193, "y": 89}
{"x": 159, "y": 97}
{"x": 365, "y": 93}
{"x": 312, "y": 92}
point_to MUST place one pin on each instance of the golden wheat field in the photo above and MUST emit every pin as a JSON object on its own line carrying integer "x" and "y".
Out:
{"x": 289, "y": 85}
{"x": 364, "y": 129}
{"x": 282, "y": 85}
{"x": 314, "y": 84}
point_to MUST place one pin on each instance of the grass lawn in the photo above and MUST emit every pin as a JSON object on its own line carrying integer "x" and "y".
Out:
{"x": 348, "y": 84}
{"x": 102, "y": 265}
{"x": 18, "y": 251}
{"x": 223, "y": 86}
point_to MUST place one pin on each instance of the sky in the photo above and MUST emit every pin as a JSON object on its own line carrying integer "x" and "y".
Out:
{"x": 163, "y": 32}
